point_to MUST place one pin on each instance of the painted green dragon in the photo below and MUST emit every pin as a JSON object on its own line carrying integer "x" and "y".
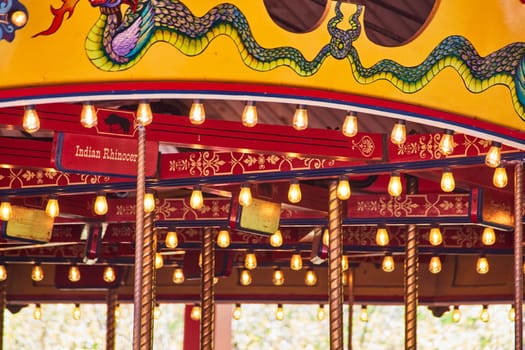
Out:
{"x": 119, "y": 40}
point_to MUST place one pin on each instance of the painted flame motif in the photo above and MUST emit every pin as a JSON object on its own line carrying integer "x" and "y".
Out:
{"x": 68, "y": 6}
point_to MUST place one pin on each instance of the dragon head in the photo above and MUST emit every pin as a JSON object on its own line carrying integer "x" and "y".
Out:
{"x": 113, "y": 3}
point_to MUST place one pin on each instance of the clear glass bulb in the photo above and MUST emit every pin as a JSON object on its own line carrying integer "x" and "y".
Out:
{"x": 488, "y": 237}
{"x": 249, "y": 115}
{"x": 300, "y": 118}
{"x": 117, "y": 311}
{"x": 144, "y": 115}
{"x": 446, "y": 144}
{"x": 237, "y": 313}
{"x": 326, "y": 237}
{"x": 223, "y": 238}
{"x": 31, "y": 121}
{"x": 399, "y": 133}
{"x": 159, "y": 260}
{"x": 493, "y": 156}
{"x": 156, "y": 312}
{"x": 310, "y": 279}
{"x": 250, "y": 261}
{"x": 456, "y": 314}
{"x": 500, "y": 179}
{"x": 3, "y": 273}
{"x": 109, "y": 274}
{"x": 276, "y": 240}
{"x": 435, "y": 237}
{"x": 197, "y": 113}
{"x": 88, "y": 115}
{"x": 395, "y": 187}
{"x": 388, "y": 264}
{"x": 382, "y": 237}
{"x": 245, "y": 195}
{"x": 195, "y": 314}
{"x": 343, "y": 188}
{"x": 5, "y": 210}
{"x": 52, "y": 208}
{"x": 37, "y": 312}
{"x": 172, "y": 239}
{"x": 245, "y": 278}
{"x": 296, "y": 262}
{"x": 294, "y": 192}
{"x": 484, "y": 315}
{"x": 512, "y": 314}
{"x": 37, "y": 273}
{"x": 100, "y": 207}
{"x": 344, "y": 262}
{"x": 448, "y": 184}
{"x": 196, "y": 200}
{"x": 321, "y": 313}
{"x": 19, "y": 18}
{"x": 149, "y": 202}
{"x": 279, "y": 313}
{"x": 350, "y": 124}
{"x": 435, "y": 264}
{"x": 482, "y": 265}
{"x": 76, "y": 312}
{"x": 278, "y": 277}
{"x": 363, "y": 314}
{"x": 178, "y": 275}
{"x": 73, "y": 273}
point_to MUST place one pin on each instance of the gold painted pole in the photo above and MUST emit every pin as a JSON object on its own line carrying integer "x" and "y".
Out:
{"x": 350, "y": 305}
{"x": 207, "y": 304}
{"x": 411, "y": 278}
{"x": 148, "y": 270}
{"x": 335, "y": 269}
{"x": 111, "y": 321}
{"x": 518, "y": 256}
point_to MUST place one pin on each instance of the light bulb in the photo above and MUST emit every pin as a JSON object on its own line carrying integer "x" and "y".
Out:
{"x": 300, "y": 118}
{"x": 363, "y": 314}
{"x": 394, "y": 185}
{"x": 249, "y": 114}
{"x": 196, "y": 200}
{"x": 197, "y": 113}
{"x": 500, "y": 178}
{"x": 37, "y": 273}
{"x": 159, "y": 260}
{"x": 31, "y": 121}
{"x": 172, "y": 240}
{"x": 435, "y": 264}
{"x": 76, "y": 312}
{"x": 488, "y": 237}
{"x": 279, "y": 313}
{"x": 144, "y": 115}
{"x": 223, "y": 238}
{"x": 149, "y": 202}
{"x": 344, "y": 278}
{"x": 37, "y": 312}
{"x": 448, "y": 184}
{"x": 493, "y": 156}
{"x": 343, "y": 188}
{"x": 245, "y": 279}
{"x": 245, "y": 195}
{"x": 195, "y": 314}
{"x": 109, "y": 274}
{"x": 237, "y": 313}
{"x": 276, "y": 239}
{"x": 435, "y": 237}
{"x": 100, "y": 207}
{"x": 5, "y": 210}
{"x": 250, "y": 261}
{"x": 88, "y": 115}
{"x": 52, "y": 208}
{"x": 117, "y": 311}
{"x": 388, "y": 264}
{"x": 278, "y": 277}
{"x": 73, "y": 274}
{"x": 382, "y": 237}
{"x": 456, "y": 314}
{"x": 446, "y": 144}
{"x": 321, "y": 313}
{"x": 482, "y": 265}
{"x": 19, "y": 18}
{"x": 512, "y": 313}
{"x": 296, "y": 262}
{"x": 156, "y": 312}
{"x": 350, "y": 124}
{"x": 399, "y": 133}
{"x": 326, "y": 237}
{"x": 294, "y": 192}
{"x": 3, "y": 273}
{"x": 484, "y": 315}
{"x": 310, "y": 279}
{"x": 344, "y": 263}
{"x": 178, "y": 275}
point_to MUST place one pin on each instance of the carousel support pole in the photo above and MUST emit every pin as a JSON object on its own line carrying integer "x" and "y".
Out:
{"x": 207, "y": 304}
{"x": 335, "y": 269}
{"x": 139, "y": 237}
{"x": 350, "y": 305}
{"x": 411, "y": 278}
{"x": 148, "y": 270}
{"x": 111, "y": 321}
{"x": 2, "y": 311}
{"x": 518, "y": 256}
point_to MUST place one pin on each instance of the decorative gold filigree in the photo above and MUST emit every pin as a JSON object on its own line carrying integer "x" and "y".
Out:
{"x": 365, "y": 145}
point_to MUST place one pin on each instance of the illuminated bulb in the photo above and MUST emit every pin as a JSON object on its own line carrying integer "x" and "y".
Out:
{"x": 294, "y": 192}
{"x": 37, "y": 312}
{"x": 88, "y": 116}
{"x": 156, "y": 312}
{"x": 73, "y": 274}
{"x": 195, "y": 314}
{"x": 117, "y": 311}
{"x": 276, "y": 239}
{"x": 250, "y": 261}
{"x": 144, "y": 116}
{"x": 363, "y": 314}
{"x": 200, "y": 260}
{"x": 196, "y": 200}
{"x": 31, "y": 121}
{"x": 344, "y": 278}
{"x": 223, "y": 238}
{"x": 326, "y": 237}
{"x": 388, "y": 264}
{"x": 109, "y": 274}
{"x": 350, "y": 124}
{"x": 249, "y": 115}
{"x": 149, "y": 202}
{"x": 296, "y": 262}
{"x": 493, "y": 157}
{"x": 321, "y": 313}
{"x": 488, "y": 237}
{"x": 3, "y": 273}
{"x": 484, "y": 315}
{"x": 435, "y": 237}
{"x": 512, "y": 313}
{"x": 310, "y": 279}
{"x": 37, "y": 273}
{"x": 435, "y": 264}
{"x": 245, "y": 195}
{"x": 172, "y": 240}
{"x": 278, "y": 277}
{"x": 446, "y": 144}
{"x": 19, "y": 18}
{"x": 101, "y": 204}
{"x": 343, "y": 188}
{"x": 178, "y": 275}
{"x": 197, "y": 113}
{"x": 52, "y": 208}
{"x": 300, "y": 118}
{"x": 500, "y": 178}
{"x": 394, "y": 185}
{"x": 456, "y": 314}
{"x": 279, "y": 313}
{"x": 5, "y": 210}
{"x": 448, "y": 184}
{"x": 237, "y": 313}
{"x": 399, "y": 133}
{"x": 344, "y": 262}
{"x": 382, "y": 238}
{"x": 76, "y": 312}
{"x": 482, "y": 265}
{"x": 246, "y": 277}
{"x": 159, "y": 260}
